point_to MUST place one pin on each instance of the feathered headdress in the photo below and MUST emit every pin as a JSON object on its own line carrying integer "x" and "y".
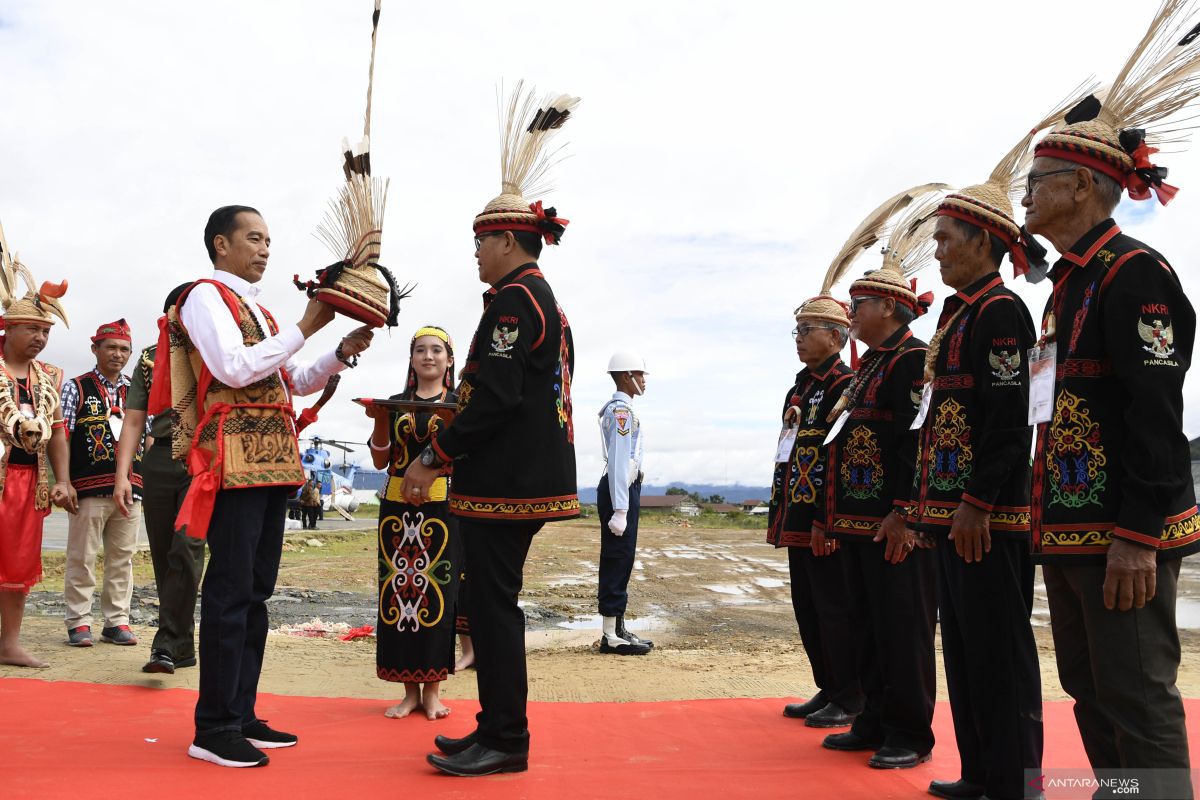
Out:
{"x": 353, "y": 231}
{"x": 527, "y": 127}
{"x": 906, "y": 253}
{"x": 869, "y": 231}
{"x": 1115, "y": 134}
{"x": 38, "y": 303}
{"x": 989, "y": 205}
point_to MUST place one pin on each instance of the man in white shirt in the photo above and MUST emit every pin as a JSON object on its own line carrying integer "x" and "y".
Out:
{"x": 617, "y": 500}
{"x": 237, "y": 432}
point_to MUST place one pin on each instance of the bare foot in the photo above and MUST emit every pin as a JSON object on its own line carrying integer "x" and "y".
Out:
{"x": 404, "y": 707}
{"x": 464, "y": 662}
{"x": 20, "y": 657}
{"x": 435, "y": 708}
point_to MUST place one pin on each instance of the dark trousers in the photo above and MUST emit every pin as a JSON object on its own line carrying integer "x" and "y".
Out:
{"x": 617, "y": 553}
{"x": 894, "y": 612}
{"x": 992, "y": 672}
{"x": 309, "y": 515}
{"x": 1120, "y": 667}
{"x": 245, "y": 541}
{"x": 178, "y": 559}
{"x": 823, "y": 615}
{"x": 495, "y": 555}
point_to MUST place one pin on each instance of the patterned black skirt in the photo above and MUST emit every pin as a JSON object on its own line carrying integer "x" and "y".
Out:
{"x": 420, "y": 563}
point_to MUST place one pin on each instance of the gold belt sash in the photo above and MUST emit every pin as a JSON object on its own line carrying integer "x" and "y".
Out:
{"x": 395, "y": 490}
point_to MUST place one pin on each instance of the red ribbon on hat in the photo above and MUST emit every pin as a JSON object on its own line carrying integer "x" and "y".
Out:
{"x": 538, "y": 212}
{"x": 1138, "y": 187}
{"x": 924, "y": 301}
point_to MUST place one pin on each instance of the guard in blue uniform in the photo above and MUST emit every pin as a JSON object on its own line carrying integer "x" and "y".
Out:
{"x": 617, "y": 498}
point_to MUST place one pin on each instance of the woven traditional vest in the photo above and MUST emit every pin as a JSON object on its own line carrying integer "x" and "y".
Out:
{"x": 93, "y": 446}
{"x": 249, "y": 433}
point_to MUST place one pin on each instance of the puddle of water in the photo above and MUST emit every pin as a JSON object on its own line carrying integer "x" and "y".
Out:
{"x": 768, "y": 583}
{"x": 568, "y": 582}
{"x": 725, "y": 589}
{"x": 1187, "y": 613}
{"x": 648, "y": 623}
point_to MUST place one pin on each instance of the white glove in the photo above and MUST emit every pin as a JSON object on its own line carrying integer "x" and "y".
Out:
{"x": 617, "y": 523}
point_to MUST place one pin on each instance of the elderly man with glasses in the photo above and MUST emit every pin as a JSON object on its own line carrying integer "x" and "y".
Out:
{"x": 818, "y": 586}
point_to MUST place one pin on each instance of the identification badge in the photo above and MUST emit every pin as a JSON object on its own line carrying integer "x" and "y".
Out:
{"x": 923, "y": 411}
{"x": 1041, "y": 382}
{"x": 838, "y": 424}
{"x": 783, "y": 450}
{"x": 114, "y": 422}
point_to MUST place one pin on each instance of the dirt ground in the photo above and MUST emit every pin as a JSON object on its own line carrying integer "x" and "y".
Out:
{"x": 714, "y": 600}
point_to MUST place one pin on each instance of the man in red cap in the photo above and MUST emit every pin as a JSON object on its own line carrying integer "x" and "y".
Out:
{"x": 93, "y": 406}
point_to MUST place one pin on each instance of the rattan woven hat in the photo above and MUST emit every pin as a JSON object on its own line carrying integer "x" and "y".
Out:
{"x": 908, "y": 250}
{"x": 38, "y": 304}
{"x": 825, "y": 307}
{"x": 527, "y": 127}
{"x": 989, "y": 205}
{"x": 1118, "y": 132}
{"x": 358, "y": 285}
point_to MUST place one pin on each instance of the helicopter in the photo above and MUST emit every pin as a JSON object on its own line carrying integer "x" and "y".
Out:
{"x": 337, "y": 483}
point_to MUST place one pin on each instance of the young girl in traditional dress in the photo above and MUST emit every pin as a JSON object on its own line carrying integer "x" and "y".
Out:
{"x": 420, "y": 555}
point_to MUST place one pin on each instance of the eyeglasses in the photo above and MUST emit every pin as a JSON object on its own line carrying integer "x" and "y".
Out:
{"x": 479, "y": 239}
{"x": 802, "y": 331}
{"x": 1033, "y": 177}
{"x": 855, "y": 302}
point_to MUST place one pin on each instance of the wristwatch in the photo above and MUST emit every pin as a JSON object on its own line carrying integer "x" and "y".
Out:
{"x": 430, "y": 459}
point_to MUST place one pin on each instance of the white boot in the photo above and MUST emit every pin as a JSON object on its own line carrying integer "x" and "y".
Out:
{"x": 610, "y": 632}
{"x": 611, "y": 642}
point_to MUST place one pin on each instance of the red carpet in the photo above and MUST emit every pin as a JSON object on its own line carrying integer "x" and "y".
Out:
{"x": 86, "y": 740}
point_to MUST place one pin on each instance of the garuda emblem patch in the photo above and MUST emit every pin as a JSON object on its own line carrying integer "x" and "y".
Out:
{"x": 1005, "y": 364}
{"x": 1159, "y": 338}
{"x": 503, "y": 338}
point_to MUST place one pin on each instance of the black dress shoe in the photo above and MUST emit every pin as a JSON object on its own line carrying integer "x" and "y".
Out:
{"x": 831, "y": 716}
{"x": 623, "y": 648}
{"x": 160, "y": 661}
{"x": 956, "y": 790}
{"x": 189, "y": 661}
{"x": 802, "y": 710}
{"x": 848, "y": 741}
{"x": 453, "y": 747}
{"x": 628, "y": 635}
{"x": 897, "y": 758}
{"x": 478, "y": 760}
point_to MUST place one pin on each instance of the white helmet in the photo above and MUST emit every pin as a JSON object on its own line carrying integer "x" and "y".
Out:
{"x": 624, "y": 361}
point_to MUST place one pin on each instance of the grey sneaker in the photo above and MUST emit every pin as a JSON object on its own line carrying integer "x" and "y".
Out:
{"x": 80, "y": 637}
{"x": 119, "y": 634}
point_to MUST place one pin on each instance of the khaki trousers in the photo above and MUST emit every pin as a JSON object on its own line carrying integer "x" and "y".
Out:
{"x": 97, "y": 522}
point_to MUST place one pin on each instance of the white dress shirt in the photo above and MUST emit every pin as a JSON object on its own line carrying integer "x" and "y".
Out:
{"x": 621, "y": 439}
{"x": 218, "y": 338}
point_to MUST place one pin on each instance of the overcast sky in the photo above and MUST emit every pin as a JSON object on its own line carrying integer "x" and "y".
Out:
{"x": 722, "y": 153}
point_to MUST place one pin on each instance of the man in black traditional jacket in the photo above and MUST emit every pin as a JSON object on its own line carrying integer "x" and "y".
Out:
{"x": 971, "y": 497}
{"x": 818, "y": 585}
{"x": 1114, "y": 508}
{"x": 512, "y": 445}
{"x": 893, "y": 589}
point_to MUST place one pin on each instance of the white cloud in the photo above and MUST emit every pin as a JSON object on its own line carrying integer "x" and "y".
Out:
{"x": 722, "y": 153}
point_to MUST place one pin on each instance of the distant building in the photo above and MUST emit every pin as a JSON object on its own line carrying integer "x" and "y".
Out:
{"x": 674, "y": 503}
{"x": 749, "y": 505}
{"x": 722, "y": 508}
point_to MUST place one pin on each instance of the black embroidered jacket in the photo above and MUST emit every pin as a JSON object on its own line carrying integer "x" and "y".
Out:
{"x": 513, "y": 441}
{"x": 870, "y": 462}
{"x": 1113, "y": 460}
{"x": 975, "y": 440}
{"x": 796, "y": 490}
